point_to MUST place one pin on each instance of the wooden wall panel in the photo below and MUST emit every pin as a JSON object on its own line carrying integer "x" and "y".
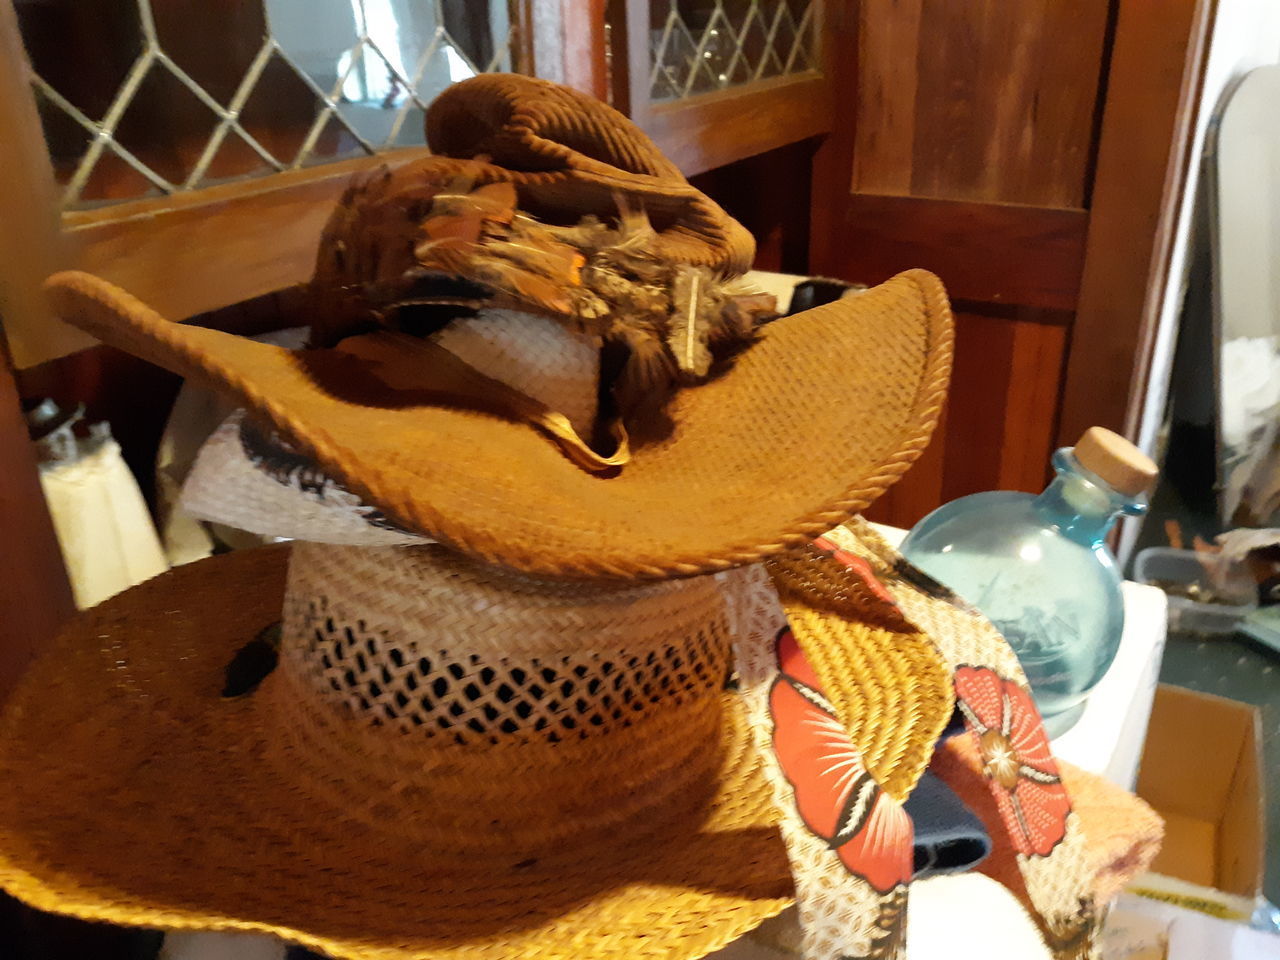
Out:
{"x": 921, "y": 488}
{"x": 1153, "y": 95}
{"x": 997, "y": 430}
{"x": 978, "y": 402}
{"x": 986, "y": 252}
{"x": 887, "y": 82}
{"x": 982, "y": 100}
{"x": 1037, "y": 358}
{"x": 968, "y": 150}
{"x": 1003, "y": 404}
{"x": 769, "y": 195}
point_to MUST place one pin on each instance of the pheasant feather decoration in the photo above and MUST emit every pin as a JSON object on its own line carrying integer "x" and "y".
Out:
{"x": 407, "y": 247}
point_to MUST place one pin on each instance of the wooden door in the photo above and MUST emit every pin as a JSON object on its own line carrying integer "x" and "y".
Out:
{"x": 973, "y": 143}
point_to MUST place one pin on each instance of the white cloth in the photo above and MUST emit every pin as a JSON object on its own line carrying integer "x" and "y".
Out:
{"x": 963, "y": 917}
{"x": 107, "y": 538}
{"x": 227, "y": 486}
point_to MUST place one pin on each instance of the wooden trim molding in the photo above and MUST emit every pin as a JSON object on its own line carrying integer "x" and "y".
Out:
{"x": 35, "y": 595}
{"x": 985, "y": 252}
{"x": 31, "y": 241}
{"x": 192, "y": 253}
{"x": 709, "y": 131}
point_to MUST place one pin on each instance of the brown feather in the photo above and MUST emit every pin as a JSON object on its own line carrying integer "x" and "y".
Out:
{"x": 540, "y": 293}
{"x": 536, "y": 254}
{"x": 693, "y": 305}
{"x": 649, "y": 370}
{"x": 589, "y": 234}
{"x": 740, "y": 317}
{"x": 466, "y": 214}
{"x": 602, "y": 277}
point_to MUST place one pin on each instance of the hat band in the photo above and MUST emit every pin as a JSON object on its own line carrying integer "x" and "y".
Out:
{"x": 425, "y": 371}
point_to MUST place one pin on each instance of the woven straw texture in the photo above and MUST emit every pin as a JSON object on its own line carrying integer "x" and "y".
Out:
{"x": 502, "y": 765}
{"x": 499, "y": 765}
{"x": 726, "y": 485}
{"x": 438, "y": 646}
{"x": 169, "y": 806}
{"x": 263, "y": 489}
{"x": 717, "y": 479}
{"x": 1058, "y": 885}
{"x": 893, "y": 693}
{"x": 840, "y": 913}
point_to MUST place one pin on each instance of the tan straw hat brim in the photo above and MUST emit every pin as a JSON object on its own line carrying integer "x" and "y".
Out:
{"x": 804, "y": 429}
{"x": 135, "y": 793}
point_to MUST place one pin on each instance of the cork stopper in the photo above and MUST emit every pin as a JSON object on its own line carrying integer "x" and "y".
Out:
{"x": 1117, "y": 461}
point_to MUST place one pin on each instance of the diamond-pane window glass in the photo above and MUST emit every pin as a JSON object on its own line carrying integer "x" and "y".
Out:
{"x": 146, "y": 97}
{"x": 699, "y": 46}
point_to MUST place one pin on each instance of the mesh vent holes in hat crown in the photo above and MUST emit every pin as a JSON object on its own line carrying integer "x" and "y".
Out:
{"x": 439, "y": 677}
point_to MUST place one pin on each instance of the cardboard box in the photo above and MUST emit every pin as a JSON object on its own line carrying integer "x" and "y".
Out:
{"x": 1201, "y": 770}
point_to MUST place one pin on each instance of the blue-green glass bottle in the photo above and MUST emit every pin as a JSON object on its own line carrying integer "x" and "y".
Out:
{"x": 1040, "y": 569}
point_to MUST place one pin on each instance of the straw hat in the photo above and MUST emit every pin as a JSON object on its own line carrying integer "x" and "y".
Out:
{"x": 449, "y": 453}
{"x": 514, "y": 732}
{"x": 478, "y": 764}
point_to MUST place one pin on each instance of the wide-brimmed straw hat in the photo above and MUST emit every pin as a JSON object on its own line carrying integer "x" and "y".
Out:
{"x": 445, "y": 759}
{"x": 531, "y": 728}
{"x": 478, "y": 765}
{"x": 712, "y": 480}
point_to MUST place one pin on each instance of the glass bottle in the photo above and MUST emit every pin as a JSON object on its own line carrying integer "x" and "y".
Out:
{"x": 1040, "y": 569}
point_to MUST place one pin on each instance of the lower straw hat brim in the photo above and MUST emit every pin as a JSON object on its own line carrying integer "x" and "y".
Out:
{"x": 135, "y": 793}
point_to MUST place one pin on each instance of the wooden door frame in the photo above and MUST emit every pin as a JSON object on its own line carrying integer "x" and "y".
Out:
{"x": 1154, "y": 79}
{"x": 35, "y": 594}
{"x": 1092, "y": 272}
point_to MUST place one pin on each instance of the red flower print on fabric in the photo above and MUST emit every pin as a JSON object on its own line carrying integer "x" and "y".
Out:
{"x": 1016, "y": 759}
{"x": 859, "y": 566}
{"x": 835, "y": 795}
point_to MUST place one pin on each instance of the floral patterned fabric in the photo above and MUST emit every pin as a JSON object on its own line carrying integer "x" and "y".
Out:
{"x": 1020, "y": 769}
{"x": 838, "y": 800}
{"x": 1002, "y": 722}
